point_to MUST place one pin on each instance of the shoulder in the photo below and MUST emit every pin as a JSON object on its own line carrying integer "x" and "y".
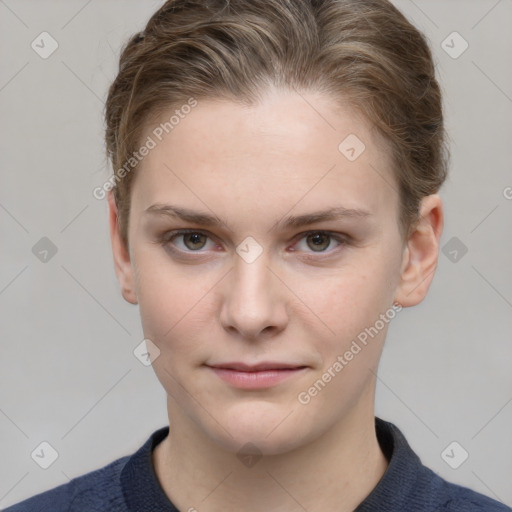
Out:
{"x": 107, "y": 488}
{"x": 409, "y": 486}
{"x": 452, "y": 497}
{"x": 98, "y": 490}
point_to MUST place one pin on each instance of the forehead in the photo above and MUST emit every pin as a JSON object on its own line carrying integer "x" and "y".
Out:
{"x": 290, "y": 150}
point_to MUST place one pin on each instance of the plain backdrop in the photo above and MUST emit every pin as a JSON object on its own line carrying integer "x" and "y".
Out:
{"x": 68, "y": 375}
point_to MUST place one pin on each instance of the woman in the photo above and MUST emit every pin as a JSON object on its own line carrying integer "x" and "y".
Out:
{"x": 273, "y": 207}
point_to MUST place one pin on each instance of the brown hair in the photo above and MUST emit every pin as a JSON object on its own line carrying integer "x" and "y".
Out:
{"x": 363, "y": 51}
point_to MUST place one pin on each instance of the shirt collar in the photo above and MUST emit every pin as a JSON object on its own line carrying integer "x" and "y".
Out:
{"x": 142, "y": 491}
{"x": 399, "y": 483}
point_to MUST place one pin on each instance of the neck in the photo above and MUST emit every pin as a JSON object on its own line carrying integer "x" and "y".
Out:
{"x": 334, "y": 472}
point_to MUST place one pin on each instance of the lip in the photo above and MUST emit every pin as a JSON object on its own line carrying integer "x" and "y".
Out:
{"x": 265, "y": 365}
{"x": 258, "y": 376}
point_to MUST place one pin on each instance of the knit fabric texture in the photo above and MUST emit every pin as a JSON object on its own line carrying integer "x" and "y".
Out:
{"x": 129, "y": 484}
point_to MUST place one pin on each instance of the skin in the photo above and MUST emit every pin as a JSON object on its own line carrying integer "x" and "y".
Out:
{"x": 297, "y": 302}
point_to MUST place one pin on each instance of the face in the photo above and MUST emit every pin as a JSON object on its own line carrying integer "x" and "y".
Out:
{"x": 256, "y": 284}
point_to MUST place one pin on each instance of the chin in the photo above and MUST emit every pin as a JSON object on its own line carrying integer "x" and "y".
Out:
{"x": 257, "y": 442}
{"x": 272, "y": 429}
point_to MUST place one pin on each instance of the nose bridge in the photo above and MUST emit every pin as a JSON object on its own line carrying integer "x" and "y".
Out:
{"x": 252, "y": 301}
{"x": 251, "y": 278}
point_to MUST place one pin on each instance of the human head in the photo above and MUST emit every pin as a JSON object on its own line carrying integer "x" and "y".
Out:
{"x": 251, "y": 150}
{"x": 363, "y": 52}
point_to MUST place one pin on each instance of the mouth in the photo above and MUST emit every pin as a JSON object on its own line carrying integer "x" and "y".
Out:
{"x": 258, "y": 376}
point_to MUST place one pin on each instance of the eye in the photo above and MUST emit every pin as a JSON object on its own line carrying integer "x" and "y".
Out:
{"x": 191, "y": 240}
{"x": 319, "y": 241}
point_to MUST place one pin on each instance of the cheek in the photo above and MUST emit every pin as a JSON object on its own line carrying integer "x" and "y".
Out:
{"x": 349, "y": 300}
{"x": 350, "y": 337}
{"x": 173, "y": 304}
{"x": 160, "y": 296}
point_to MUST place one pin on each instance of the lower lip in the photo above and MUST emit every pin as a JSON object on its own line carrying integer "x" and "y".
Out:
{"x": 256, "y": 380}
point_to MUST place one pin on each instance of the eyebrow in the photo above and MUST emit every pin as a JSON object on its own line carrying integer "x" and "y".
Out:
{"x": 292, "y": 221}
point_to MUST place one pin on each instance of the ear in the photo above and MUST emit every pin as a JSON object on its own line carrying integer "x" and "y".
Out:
{"x": 421, "y": 253}
{"x": 122, "y": 263}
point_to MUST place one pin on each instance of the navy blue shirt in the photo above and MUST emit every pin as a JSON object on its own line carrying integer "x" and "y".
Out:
{"x": 129, "y": 484}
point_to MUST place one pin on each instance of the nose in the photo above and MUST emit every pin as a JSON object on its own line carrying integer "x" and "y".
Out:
{"x": 253, "y": 305}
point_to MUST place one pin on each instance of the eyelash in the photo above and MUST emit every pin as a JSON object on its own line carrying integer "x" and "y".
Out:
{"x": 167, "y": 237}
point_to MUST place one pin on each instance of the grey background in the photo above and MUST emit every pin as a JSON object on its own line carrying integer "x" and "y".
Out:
{"x": 68, "y": 375}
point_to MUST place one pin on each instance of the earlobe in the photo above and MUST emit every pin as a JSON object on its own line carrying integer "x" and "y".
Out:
{"x": 421, "y": 253}
{"x": 122, "y": 262}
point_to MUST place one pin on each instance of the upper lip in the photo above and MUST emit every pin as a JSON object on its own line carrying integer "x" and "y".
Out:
{"x": 243, "y": 367}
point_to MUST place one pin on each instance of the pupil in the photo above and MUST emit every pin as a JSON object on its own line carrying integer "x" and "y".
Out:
{"x": 195, "y": 238}
{"x": 317, "y": 240}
